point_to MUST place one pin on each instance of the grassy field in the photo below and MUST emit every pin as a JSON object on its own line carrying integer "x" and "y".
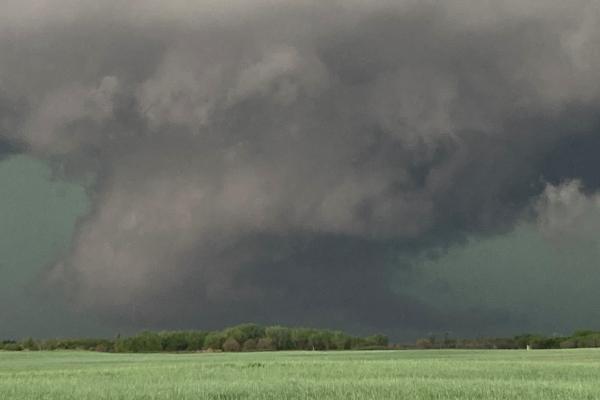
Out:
{"x": 444, "y": 374}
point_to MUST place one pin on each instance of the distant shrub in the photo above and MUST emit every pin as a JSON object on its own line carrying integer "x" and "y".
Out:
{"x": 196, "y": 340}
{"x": 281, "y": 337}
{"x": 250, "y": 345}
{"x": 243, "y": 332}
{"x": 371, "y": 348}
{"x": 103, "y": 347}
{"x": 377, "y": 341}
{"x": 214, "y": 341}
{"x": 145, "y": 342}
{"x": 265, "y": 344}
{"x": 589, "y": 340}
{"x": 568, "y": 344}
{"x": 30, "y": 344}
{"x": 231, "y": 345}
{"x": 173, "y": 341}
{"x": 12, "y": 347}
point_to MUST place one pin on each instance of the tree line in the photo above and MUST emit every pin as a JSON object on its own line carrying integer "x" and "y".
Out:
{"x": 579, "y": 339}
{"x": 254, "y": 337}
{"x": 244, "y": 337}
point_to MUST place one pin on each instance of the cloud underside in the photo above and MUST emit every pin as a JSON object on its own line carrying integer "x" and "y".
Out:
{"x": 281, "y": 162}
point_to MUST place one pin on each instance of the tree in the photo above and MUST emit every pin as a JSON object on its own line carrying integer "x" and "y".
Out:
{"x": 300, "y": 338}
{"x": 12, "y": 346}
{"x": 30, "y": 344}
{"x": 145, "y": 342}
{"x": 341, "y": 341}
{"x": 265, "y": 344}
{"x": 214, "y": 340}
{"x": 250, "y": 345}
{"x": 424, "y": 343}
{"x": 243, "y": 332}
{"x": 377, "y": 340}
{"x": 174, "y": 341}
{"x": 280, "y": 336}
{"x": 195, "y": 340}
{"x": 231, "y": 345}
{"x": 319, "y": 340}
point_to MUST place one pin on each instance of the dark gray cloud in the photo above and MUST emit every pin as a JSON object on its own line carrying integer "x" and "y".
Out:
{"x": 275, "y": 162}
{"x": 12, "y": 113}
{"x": 7, "y": 147}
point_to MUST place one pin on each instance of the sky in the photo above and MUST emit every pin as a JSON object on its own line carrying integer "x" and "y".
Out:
{"x": 403, "y": 167}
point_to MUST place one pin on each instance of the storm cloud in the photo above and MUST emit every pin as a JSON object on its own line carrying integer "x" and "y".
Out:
{"x": 278, "y": 161}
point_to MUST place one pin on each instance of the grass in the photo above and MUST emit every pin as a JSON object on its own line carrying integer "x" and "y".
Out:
{"x": 444, "y": 374}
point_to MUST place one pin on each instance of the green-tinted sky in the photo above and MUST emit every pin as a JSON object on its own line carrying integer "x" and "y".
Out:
{"x": 534, "y": 284}
{"x": 37, "y": 218}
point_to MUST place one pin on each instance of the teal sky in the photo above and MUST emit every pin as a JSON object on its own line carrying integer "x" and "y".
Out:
{"x": 536, "y": 284}
{"x": 37, "y": 218}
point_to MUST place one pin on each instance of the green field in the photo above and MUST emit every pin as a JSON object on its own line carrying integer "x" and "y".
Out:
{"x": 433, "y": 374}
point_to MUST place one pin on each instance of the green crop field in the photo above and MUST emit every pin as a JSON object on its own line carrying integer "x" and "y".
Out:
{"x": 443, "y": 374}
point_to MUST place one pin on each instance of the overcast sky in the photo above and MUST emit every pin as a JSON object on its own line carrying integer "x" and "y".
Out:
{"x": 403, "y": 167}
